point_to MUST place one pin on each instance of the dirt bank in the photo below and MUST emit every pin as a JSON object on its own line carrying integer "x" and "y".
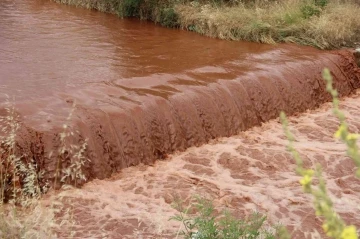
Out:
{"x": 141, "y": 120}
{"x": 250, "y": 171}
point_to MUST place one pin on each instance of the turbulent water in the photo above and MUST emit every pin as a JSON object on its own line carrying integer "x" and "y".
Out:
{"x": 250, "y": 171}
{"x": 143, "y": 92}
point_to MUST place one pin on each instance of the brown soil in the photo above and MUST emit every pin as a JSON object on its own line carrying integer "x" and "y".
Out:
{"x": 250, "y": 171}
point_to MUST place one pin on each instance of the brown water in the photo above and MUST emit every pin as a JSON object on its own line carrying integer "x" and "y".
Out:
{"x": 250, "y": 171}
{"x": 143, "y": 92}
{"x": 46, "y": 48}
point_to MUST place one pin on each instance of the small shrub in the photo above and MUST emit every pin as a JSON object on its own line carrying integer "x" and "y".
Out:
{"x": 321, "y": 3}
{"x": 169, "y": 18}
{"x": 129, "y": 8}
{"x": 205, "y": 224}
{"x": 71, "y": 159}
{"x": 19, "y": 177}
{"x": 309, "y": 10}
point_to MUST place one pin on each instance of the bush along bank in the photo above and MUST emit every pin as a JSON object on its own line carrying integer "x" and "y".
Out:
{"x": 159, "y": 11}
{"x": 325, "y": 24}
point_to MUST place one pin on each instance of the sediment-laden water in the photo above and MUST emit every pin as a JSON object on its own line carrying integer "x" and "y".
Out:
{"x": 251, "y": 171}
{"x": 142, "y": 91}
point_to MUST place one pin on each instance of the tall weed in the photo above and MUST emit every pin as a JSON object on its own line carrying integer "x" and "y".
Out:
{"x": 333, "y": 225}
{"x": 22, "y": 214}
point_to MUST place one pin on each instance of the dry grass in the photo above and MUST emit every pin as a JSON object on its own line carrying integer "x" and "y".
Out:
{"x": 22, "y": 214}
{"x": 266, "y": 21}
{"x": 337, "y": 24}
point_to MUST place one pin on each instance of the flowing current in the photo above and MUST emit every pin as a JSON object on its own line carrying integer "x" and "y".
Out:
{"x": 48, "y": 48}
{"x": 140, "y": 92}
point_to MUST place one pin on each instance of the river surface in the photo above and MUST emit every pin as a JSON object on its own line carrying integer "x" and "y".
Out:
{"x": 46, "y": 48}
{"x": 143, "y": 92}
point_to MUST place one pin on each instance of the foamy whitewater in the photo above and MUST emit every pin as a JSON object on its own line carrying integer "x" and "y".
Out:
{"x": 246, "y": 172}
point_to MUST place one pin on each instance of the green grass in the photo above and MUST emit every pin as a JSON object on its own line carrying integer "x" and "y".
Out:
{"x": 206, "y": 223}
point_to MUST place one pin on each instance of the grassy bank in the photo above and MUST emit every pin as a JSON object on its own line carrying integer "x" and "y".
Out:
{"x": 325, "y": 24}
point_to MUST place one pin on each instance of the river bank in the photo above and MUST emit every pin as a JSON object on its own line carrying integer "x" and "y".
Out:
{"x": 326, "y": 24}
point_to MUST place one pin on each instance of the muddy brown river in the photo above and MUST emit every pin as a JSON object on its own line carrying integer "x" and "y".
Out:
{"x": 48, "y": 48}
{"x": 141, "y": 92}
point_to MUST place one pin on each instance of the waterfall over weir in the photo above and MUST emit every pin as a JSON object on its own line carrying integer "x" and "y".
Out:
{"x": 142, "y": 92}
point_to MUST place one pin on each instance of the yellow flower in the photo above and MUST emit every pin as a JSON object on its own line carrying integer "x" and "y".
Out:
{"x": 352, "y": 137}
{"x": 306, "y": 180}
{"x": 339, "y": 131}
{"x": 349, "y": 232}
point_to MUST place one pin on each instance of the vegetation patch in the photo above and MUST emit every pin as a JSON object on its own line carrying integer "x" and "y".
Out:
{"x": 22, "y": 214}
{"x": 206, "y": 223}
{"x": 325, "y": 24}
